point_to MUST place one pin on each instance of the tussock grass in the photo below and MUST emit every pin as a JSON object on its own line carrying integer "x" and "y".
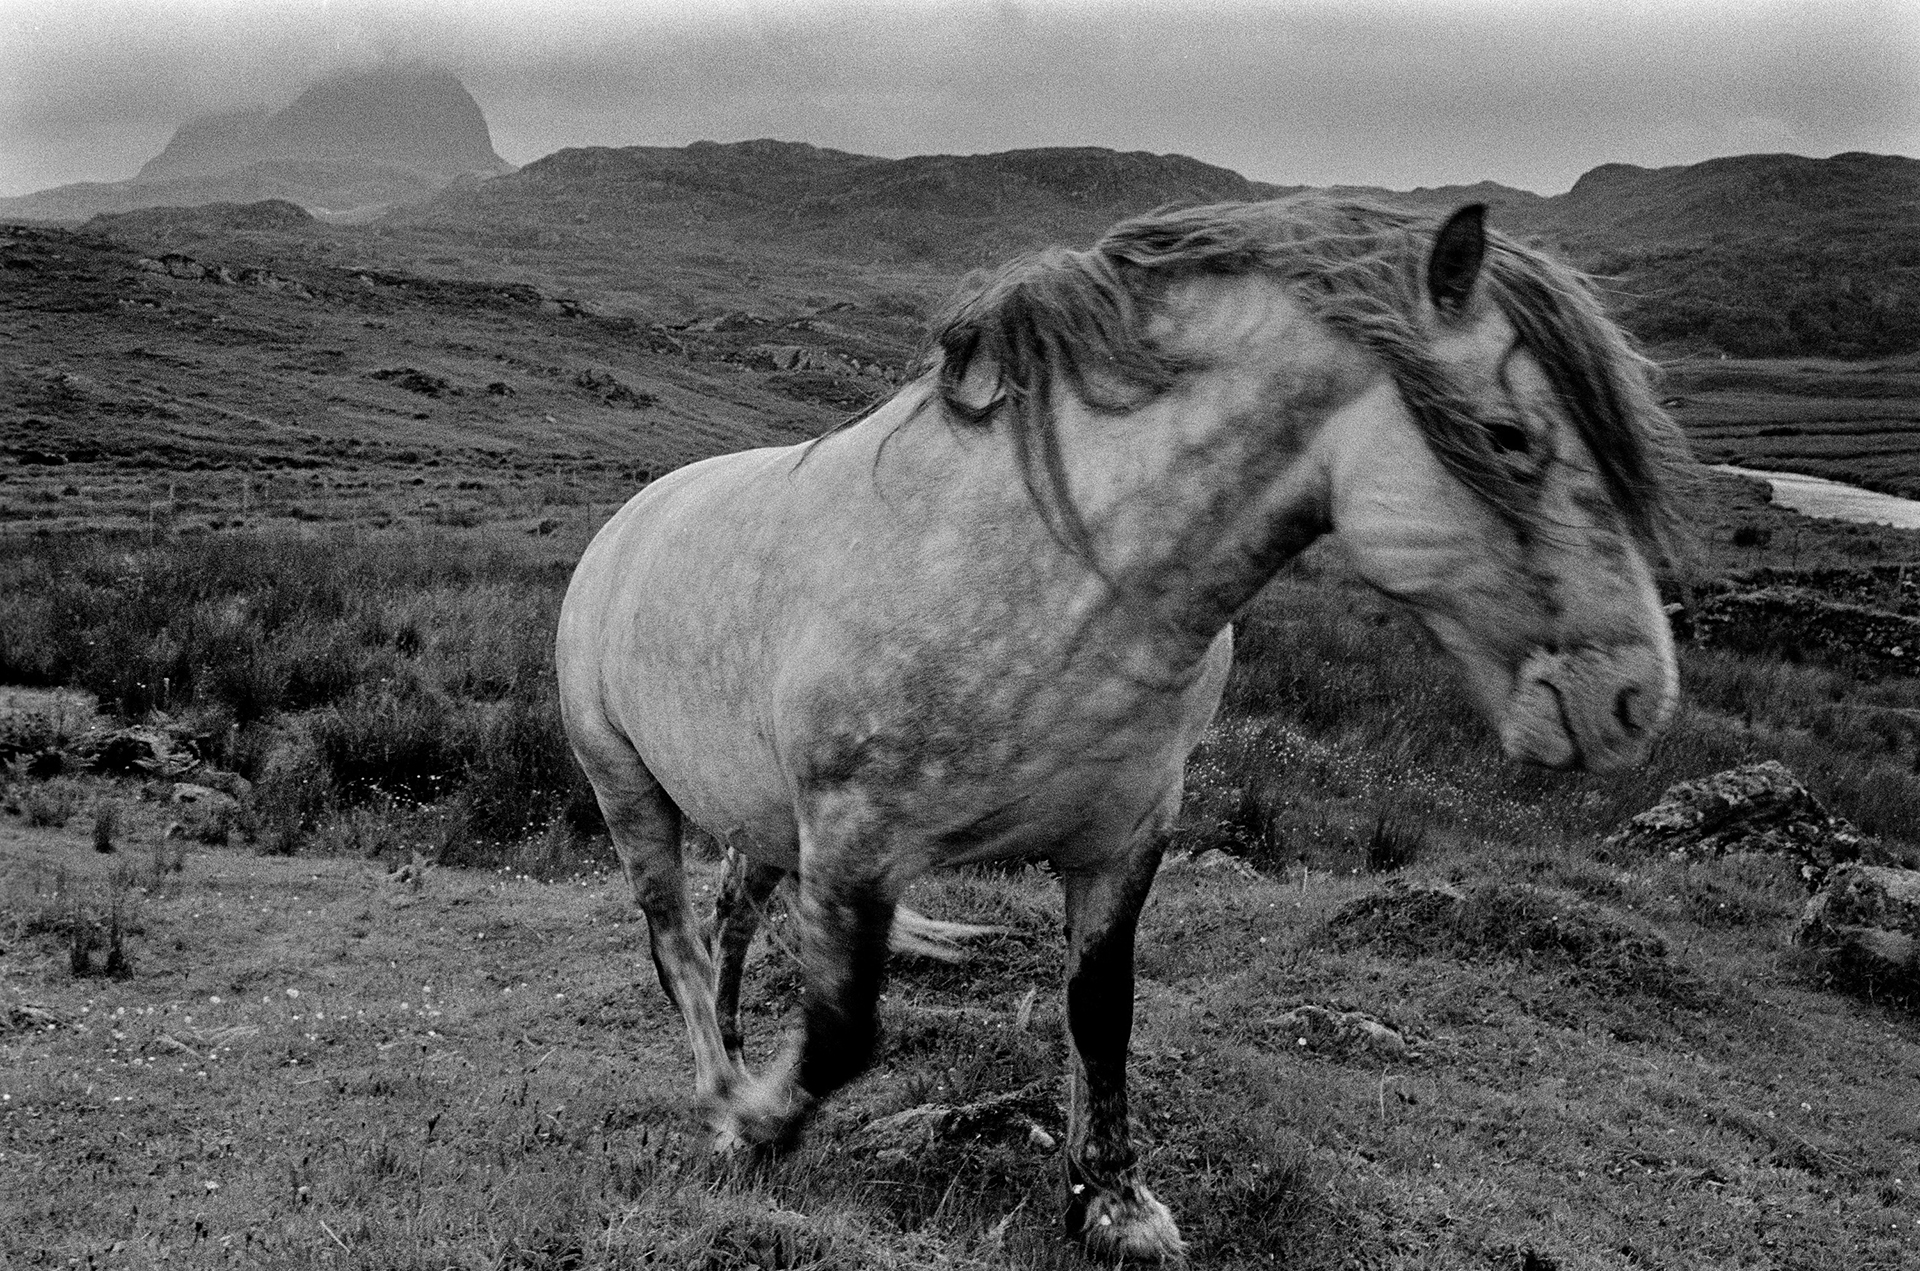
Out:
{"x": 340, "y": 672}
{"x": 479, "y": 1068}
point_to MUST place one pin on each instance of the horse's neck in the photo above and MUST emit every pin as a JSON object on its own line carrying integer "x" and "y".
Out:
{"x": 1195, "y": 501}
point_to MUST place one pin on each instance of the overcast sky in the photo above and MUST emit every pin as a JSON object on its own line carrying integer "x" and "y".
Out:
{"x": 1398, "y": 93}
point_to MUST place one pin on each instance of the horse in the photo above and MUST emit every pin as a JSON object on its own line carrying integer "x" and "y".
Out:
{"x": 991, "y": 617}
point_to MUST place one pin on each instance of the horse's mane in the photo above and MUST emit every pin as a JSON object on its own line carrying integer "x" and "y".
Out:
{"x": 1075, "y": 319}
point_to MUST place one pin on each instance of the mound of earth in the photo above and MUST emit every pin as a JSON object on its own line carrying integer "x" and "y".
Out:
{"x": 1603, "y": 949}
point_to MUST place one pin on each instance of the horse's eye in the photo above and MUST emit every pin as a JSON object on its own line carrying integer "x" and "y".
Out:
{"x": 1508, "y": 438}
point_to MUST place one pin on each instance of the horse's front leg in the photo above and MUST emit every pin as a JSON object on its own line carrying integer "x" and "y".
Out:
{"x": 848, "y": 892}
{"x": 1107, "y": 1206}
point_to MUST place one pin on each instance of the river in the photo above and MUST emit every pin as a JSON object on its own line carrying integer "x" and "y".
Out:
{"x": 1833, "y": 500}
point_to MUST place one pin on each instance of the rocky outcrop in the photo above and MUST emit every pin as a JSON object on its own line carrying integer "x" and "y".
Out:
{"x": 1757, "y": 809}
{"x": 1866, "y": 919}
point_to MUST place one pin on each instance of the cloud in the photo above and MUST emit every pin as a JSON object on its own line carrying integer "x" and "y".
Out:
{"x": 1397, "y": 93}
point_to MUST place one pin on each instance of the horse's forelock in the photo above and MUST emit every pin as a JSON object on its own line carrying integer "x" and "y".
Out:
{"x": 1603, "y": 383}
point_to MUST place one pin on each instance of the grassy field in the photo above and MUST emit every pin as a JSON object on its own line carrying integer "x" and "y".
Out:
{"x": 1857, "y": 422}
{"x": 295, "y": 1060}
{"x": 309, "y": 538}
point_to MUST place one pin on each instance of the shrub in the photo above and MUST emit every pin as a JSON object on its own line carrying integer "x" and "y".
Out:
{"x": 1393, "y": 844}
{"x": 106, "y": 824}
{"x": 51, "y": 803}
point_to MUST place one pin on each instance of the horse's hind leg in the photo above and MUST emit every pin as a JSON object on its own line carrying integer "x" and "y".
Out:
{"x": 1107, "y": 1206}
{"x": 736, "y": 913}
{"x": 646, "y": 826}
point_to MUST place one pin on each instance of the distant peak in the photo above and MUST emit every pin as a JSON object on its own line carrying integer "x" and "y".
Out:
{"x": 413, "y": 114}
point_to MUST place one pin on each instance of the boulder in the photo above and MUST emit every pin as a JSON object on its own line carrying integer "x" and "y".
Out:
{"x": 1869, "y": 915}
{"x": 1758, "y": 809}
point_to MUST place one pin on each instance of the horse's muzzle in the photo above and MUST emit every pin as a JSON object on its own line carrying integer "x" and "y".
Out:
{"x": 1598, "y": 710}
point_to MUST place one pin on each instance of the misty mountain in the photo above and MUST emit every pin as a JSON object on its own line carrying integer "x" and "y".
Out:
{"x": 349, "y": 147}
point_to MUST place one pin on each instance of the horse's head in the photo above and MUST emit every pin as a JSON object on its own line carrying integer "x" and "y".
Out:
{"x": 1505, "y": 492}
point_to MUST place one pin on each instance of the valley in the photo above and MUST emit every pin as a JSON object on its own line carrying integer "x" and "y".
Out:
{"x": 302, "y": 498}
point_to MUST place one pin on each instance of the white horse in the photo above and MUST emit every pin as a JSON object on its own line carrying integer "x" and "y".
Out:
{"x": 990, "y": 618}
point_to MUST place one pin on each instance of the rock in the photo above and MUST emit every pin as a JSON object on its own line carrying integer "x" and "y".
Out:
{"x": 1211, "y": 861}
{"x": 1013, "y": 1117}
{"x": 783, "y": 356}
{"x": 148, "y": 264}
{"x": 1781, "y": 619}
{"x": 612, "y": 391}
{"x": 33, "y": 1016}
{"x": 200, "y": 796}
{"x": 1870, "y": 916}
{"x": 414, "y": 380}
{"x": 1761, "y": 808}
{"x": 1322, "y": 1030}
{"x": 180, "y": 266}
{"x": 231, "y": 784}
{"x": 147, "y": 748}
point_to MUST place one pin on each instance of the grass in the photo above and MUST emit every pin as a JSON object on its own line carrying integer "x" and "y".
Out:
{"x": 310, "y": 1065}
{"x": 345, "y": 672}
{"x": 264, "y": 1051}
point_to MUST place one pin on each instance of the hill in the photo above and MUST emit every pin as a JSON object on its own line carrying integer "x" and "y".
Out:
{"x": 1753, "y": 255}
{"x": 950, "y": 211}
{"x": 351, "y": 146}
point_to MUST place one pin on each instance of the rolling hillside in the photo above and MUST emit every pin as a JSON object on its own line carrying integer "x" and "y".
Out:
{"x": 1754, "y": 255}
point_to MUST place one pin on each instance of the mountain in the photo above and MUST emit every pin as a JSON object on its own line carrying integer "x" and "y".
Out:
{"x": 350, "y": 148}
{"x": 945, "y": 210}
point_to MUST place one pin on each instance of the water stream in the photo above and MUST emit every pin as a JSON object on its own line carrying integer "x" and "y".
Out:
{"x": 1833, "y": 500}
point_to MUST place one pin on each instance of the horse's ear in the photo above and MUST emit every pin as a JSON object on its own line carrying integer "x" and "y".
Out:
{"x": 1459, "y": 249}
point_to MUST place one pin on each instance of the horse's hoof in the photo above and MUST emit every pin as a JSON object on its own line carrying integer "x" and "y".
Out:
{"x": 1131, "y": 1224}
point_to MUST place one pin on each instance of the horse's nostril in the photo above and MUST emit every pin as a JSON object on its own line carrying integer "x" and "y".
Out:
{"x": 1623, "y": 709}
